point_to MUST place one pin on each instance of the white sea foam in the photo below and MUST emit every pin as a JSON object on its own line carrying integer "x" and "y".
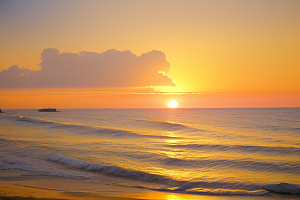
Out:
{"x": 70, "y": 161}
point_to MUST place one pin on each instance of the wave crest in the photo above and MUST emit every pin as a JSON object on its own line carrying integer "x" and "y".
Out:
{"x": 165, "y": 125}
{"x": 108, "y": 169}
{"x": 211, "y": 188}
{"x": 283, "y": 188}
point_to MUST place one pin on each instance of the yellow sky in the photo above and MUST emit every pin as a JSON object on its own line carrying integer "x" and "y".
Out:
{"x": 213, "y": 46}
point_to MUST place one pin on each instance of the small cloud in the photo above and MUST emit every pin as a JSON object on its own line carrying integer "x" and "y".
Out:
{"x": 111, "y": 68}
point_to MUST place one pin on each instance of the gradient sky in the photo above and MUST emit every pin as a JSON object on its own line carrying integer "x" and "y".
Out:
{"x": 235, "y": 53}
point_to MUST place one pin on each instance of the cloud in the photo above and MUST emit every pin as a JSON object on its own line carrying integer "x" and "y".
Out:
{"x": 111, "y": 68}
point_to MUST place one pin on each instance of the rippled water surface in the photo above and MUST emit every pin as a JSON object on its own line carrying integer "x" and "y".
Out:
{"x": 198, "y": 151}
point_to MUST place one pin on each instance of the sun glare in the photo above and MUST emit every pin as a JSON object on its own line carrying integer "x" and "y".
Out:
{"x": 172, "y": 104}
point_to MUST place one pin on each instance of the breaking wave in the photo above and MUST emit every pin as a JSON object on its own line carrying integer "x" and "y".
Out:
{"x": 108, "y": 169}
{"x": 283, "y": 188}
{"x": 211, "y": 188}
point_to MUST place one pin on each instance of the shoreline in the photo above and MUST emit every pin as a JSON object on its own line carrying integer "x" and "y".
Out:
{"x": 32, "y": 187}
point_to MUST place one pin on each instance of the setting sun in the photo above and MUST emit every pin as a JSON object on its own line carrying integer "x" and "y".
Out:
{"x": 172, "y": 104}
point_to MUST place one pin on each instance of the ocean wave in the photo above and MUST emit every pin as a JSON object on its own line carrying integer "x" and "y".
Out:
{"x": 207, "y": 191}
{"x": 87, "y": 129}
{"x": 31, "y": 161}
{"x": 26, "y": 119}
{"x": 165, "y": 125}
{"x": 210, "y": 188}
{"x": 251, "y": 165}
{"x": 223, "y": 192}
{"x": 283, "y": 188}
{"x": 242, "y": 148}
{"x": 281, "y": 128}
{"x": 108, "y": 169}
{"x": 106, "y": 132}
{"x": 31, "y": 119}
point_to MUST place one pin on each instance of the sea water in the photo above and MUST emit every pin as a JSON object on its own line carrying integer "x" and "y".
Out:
{"x": 251, "y": 151}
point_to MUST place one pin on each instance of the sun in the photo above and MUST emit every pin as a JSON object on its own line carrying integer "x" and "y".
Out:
{"x": 172, "y": 104}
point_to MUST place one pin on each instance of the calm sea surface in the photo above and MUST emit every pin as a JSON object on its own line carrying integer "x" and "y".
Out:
{"x": 195, "y": 151}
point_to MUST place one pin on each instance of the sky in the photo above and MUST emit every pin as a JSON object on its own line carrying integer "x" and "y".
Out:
{"x": 143, "y": 54}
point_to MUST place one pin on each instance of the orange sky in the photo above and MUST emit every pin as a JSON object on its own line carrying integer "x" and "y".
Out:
{"x": 239, "y": 53}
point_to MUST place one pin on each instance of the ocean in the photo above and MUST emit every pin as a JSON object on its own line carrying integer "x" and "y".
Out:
{"x": 242, "y": 152}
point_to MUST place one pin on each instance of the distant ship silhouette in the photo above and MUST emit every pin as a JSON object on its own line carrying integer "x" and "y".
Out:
{"x": 48, "y": 110}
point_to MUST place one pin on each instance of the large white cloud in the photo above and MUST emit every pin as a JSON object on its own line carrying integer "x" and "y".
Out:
{"x": 111, "y": 68}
